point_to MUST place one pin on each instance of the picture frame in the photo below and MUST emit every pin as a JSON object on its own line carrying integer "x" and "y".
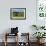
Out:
{"x": 41, "y": 9}
{"x": 17, "y": 13}
{"x": 41, "y": 12}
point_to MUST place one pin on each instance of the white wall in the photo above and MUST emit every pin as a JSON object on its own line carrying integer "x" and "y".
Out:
{"x": 24, "y": 25}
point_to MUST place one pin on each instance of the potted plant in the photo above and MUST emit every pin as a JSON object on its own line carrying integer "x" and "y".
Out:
{"x": 39, "y": 35}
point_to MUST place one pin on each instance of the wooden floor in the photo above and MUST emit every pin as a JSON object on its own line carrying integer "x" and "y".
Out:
{"x": 13, "y": 44}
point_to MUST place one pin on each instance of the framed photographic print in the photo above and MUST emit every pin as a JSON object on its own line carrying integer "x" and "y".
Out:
{"x": 41, "y": 8}
{"x": 17, "y": 13}
{"x": 41, "y": 12}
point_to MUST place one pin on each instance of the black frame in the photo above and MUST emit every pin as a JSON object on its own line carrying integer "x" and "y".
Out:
{"x": 17, "y": 18}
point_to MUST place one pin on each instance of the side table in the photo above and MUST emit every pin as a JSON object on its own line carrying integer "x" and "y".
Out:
{"x": 8, "y": 34}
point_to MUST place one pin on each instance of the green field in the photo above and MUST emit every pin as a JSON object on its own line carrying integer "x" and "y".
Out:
{"x": 18, "y": 14}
